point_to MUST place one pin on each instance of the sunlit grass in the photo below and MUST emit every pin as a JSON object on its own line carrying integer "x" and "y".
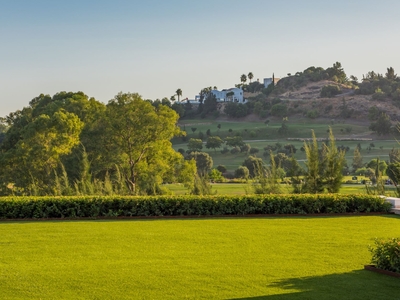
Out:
{"x": 285, "y": 258}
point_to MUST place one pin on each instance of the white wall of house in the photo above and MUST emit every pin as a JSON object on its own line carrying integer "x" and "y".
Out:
{"x": 221, "y": 96}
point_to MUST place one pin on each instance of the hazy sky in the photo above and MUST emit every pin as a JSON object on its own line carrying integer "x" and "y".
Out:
{"x": 154, "y": 47}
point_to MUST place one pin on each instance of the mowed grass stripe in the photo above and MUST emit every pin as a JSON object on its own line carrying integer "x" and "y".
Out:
{"x": 296, "y": 257}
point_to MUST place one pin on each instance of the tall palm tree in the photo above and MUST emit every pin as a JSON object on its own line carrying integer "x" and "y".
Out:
{"x": 178, "y": 93}
{"x": 250, "y": 76}
{"x": 243, "y": 78}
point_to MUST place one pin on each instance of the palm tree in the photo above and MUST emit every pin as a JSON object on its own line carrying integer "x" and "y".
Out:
{"x": 178, "y": 93}
{"x": 243, "y": 78}
{"x": 250, "y": 76}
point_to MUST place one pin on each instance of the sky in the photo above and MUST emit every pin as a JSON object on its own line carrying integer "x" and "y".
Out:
{"x": 154, "y": 47}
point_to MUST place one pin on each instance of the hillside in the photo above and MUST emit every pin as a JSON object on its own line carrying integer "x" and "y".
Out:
{"x": 346, "y": 105}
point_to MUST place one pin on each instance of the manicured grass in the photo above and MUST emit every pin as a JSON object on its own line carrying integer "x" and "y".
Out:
{"x": 232, "y": 258}
{"x": 246, "y": 188}
{"x": 268, "y": 135}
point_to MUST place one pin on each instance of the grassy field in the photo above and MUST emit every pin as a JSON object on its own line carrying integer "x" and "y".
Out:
{"x": 246, "y": 188}
{"x": 259, "y": 135}
{"x": 232, "y": 258}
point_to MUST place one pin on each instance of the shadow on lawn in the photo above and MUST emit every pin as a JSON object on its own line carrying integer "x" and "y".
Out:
{"x": 359, "y": 284}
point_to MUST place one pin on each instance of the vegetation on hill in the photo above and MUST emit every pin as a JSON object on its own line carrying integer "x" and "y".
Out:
{"x": 70, "y": 144}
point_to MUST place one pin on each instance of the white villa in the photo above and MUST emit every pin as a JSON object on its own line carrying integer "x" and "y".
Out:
{"x": 227, "y": 95}
{"x": 268, "y": 81}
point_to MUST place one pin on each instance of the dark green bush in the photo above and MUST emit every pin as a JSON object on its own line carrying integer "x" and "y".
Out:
{"x": 330, "y": 90}
{"x": 125, "y": 206}
{"x": 386, "y": 254}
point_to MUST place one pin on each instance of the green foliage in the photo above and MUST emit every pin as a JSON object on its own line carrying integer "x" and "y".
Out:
{"x": 393, "y": 172}
{"x": 330, "y": 90}
{"x": 312, "y": 114}
{"x": 129, "y": 206}
{"x": 254, "y": 164}
{"x": 323, "y": 168}
{"x": 201, "y": 186}
{"x": 203, "y": 160}
{"x": 333, "y": 167}
{"x": 279, "y": 110}
{"x": 236, "y": 110}
{"x": 386, "y": 254}
{"x": 195, "y": 144}
{"x": 216, "y": 176}
{"x": 283, "y": 130}
{"x": 357, "y": 159}
{"x": 221, "y": 168}
{"x": 313, "y": 176}
{"x": 382, "y": 124}
{"x": 265, "y": 180}
{"x": 214, "y": 142}
{"x": 235, "y": 141}
{"x": 242, "y": 172}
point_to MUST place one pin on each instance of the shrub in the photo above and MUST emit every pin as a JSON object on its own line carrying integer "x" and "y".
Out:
{"x": 386, "y": 254}
{"x": 225, "y": 150}
{"x": 254, "y": 150}
{"x": 312, "y": 114}
{"x": 130, "y": 206}
{"x": 235, "y": 150}
{"x": 279, "y": 110}
{"x": 330, "y": 90}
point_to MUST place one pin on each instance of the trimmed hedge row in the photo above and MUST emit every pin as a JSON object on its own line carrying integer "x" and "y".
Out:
{"x": 124, "y": 206}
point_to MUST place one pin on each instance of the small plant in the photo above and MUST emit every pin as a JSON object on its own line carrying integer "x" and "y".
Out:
{"x": 386, "y": 254}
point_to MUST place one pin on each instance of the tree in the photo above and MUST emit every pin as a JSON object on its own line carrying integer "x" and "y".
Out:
{"x": 204, "y": 162}
{"x": 235, "y": 141}
{"x": 382, "y": 124}
{"x": 195, "y": 144}
{"x": 221, "y": 168}
{"x": 242, "y": 172}
{"x": 179, "y": 93}
{"x": 394, "y": 156}
{"x": 214, "y": 142}
{"x": 333, "y": 167}
{"x": 279, "y": 110}
{"x": 390, "y": 74}
{"x": 243, "y": 79}
{"x": 252, "y": 163}
{"x": 393, "y": 172}
{"x": 250, "y": 76}
{"x": 357, "y": 160}
{"x": 142, "y": 134}
{"x": 313, "y": 179}
{"x": 179, "y": 109}
{"x": 40, "y": 136}
{"x": 216, "y": 175}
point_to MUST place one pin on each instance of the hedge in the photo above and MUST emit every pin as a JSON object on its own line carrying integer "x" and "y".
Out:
{"x": 131, "y": 206}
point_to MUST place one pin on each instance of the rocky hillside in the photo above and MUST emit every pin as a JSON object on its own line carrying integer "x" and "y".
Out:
{"x": 306, "y": 101}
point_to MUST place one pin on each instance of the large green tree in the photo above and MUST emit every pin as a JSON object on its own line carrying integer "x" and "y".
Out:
{"x": 34, "y": 147}
{"x": 141, "y": 134}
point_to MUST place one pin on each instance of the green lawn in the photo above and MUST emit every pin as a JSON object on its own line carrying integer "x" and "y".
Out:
{"x": 231, "y": 258}
{"x": 259, "y": 135}
{"x": 246, "y": 188}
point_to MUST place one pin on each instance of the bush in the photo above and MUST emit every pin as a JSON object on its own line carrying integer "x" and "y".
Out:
{"x": 330, "y": 90}
{"x": 279, "y": 110}
{"x": 134, "y": 206}
{"x": 312, "y": 114}
{"x": 254, "y": 150}
{"x": 235, "y": 150}
{"x": 386, "y": 254}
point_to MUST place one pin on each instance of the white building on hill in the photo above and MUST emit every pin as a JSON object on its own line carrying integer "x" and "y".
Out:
{"x": 227, "y": 95}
